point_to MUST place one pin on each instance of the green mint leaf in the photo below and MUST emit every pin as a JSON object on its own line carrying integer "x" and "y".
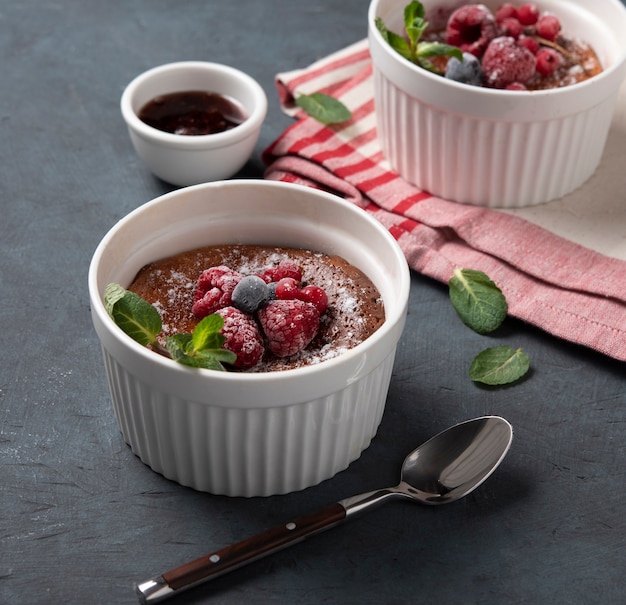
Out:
{"x": 437, "y": 49}
{"x": 179, "y": 346}
{"x": 382, "y": 28}
{"x": 434, "y": 49}
{"x": 202, "y": 348}
{"x": 324, "y": 108}
{"x": 112, "y": 293}
{"x": 414, "y": 23}
{"x": 425, "y": 64}
{"x": 213, "y": 358}
{"x": 138, "y": 318}
{"x": 206, "y": 334}
{"x": 478, "y": 301}
{"x": 398, "y": 43}
{"x": 499, "y": 365}
{"x": 410, "y": 46}
{"x": 413, "y": 11}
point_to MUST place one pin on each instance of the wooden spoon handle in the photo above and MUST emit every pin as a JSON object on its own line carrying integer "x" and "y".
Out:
{"x": 236, "y": 555}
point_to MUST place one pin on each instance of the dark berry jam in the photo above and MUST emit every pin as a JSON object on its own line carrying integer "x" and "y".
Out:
{"x": 192, "y": 112}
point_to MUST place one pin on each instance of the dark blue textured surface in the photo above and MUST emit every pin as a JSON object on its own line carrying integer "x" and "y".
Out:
{"x": 82, "y": 519}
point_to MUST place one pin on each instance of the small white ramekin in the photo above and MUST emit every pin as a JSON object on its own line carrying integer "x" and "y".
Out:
{"x": 188, "y": 160}
{"x": 250, "y": 434}
{"x": 492, "y": 147}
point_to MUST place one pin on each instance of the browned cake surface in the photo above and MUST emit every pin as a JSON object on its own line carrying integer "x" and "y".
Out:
{"x": 355, "y": 309}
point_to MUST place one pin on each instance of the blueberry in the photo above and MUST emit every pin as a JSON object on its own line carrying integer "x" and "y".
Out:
{"x": 249, "y": 294}
{"x": 467, "y": 72}
{"x": 271, "y": 290}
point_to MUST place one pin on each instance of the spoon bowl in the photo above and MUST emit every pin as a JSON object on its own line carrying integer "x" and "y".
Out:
{"x": 448, "y": 467}
{"x": 443, "y": 469}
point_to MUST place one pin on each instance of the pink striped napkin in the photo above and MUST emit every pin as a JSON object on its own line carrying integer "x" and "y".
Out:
{"x": 566, "y": 289}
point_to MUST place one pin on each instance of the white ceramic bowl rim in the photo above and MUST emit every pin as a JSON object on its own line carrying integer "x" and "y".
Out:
{"x": 386, "y": 53}
{"x": 350, "y": 358}
{"x": 220, "y": 139}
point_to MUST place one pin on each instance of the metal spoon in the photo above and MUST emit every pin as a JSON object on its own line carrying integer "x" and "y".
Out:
{"x": 444, "y": 469}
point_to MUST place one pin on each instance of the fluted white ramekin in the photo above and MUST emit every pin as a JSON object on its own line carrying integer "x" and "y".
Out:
{"x": 492, "y": 147}
{"x": 250, "y": 434}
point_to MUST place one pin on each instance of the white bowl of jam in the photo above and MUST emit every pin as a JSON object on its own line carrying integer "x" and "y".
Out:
{"x": 192, "y": 122}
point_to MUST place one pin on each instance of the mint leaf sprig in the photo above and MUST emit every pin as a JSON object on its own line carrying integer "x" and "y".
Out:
{"x": 142, "y": 322}
{"x": 139, "y": 319}
{"x": 411, "y": 47}
{"x": 478, "y": 301}
{"x": 499, "y": 365}
{"x": 482, "y": 306}
{"x": 323, "y": 108}
{"x": 202, "y": 348}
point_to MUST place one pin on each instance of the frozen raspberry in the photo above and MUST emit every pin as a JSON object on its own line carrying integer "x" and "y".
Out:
{"x": 511, "y": 27}
{"x": 516, "y": 86}
{"x": 286, "y": 268}
{"x": 506, "y": 62}
{"x": 548, "y": 27}
{"x": 315, "y": 295}
{"x": 242, "y": 337}
{"x": 471, "y": 28}
{"x": 286, "y": 288}
{"x": 249, "y": 294}
{"x": 548, "y": 61}
{"x": 506, "y": 11}
{"x": 528, "y": 14}
{"x": 530, "y": 43}
{"x": 214, "y": 290}
{"x": 289, "y": 325}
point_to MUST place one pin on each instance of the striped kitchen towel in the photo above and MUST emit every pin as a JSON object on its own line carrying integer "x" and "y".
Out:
{"x": 562, "y": 287}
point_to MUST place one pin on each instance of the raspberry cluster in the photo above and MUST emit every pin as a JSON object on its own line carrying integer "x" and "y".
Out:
{"x": 512, "y": 45}
{"x": 272, "y": 309}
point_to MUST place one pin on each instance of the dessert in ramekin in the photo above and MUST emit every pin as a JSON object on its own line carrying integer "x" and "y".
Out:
{"x": 249, "y": 434}
{"x": 491, "y": 147}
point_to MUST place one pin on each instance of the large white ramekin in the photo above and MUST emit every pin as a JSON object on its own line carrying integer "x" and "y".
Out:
{"x": 491, "y": 147}
{"x": 260, "y": 433}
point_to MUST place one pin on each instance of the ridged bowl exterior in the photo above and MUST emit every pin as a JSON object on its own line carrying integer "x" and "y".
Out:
{"x": 249, "y": 434}
{"x": 497, "y": 148}
{"x": 486, "y": 162}
{"x": 248, "y": 452}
